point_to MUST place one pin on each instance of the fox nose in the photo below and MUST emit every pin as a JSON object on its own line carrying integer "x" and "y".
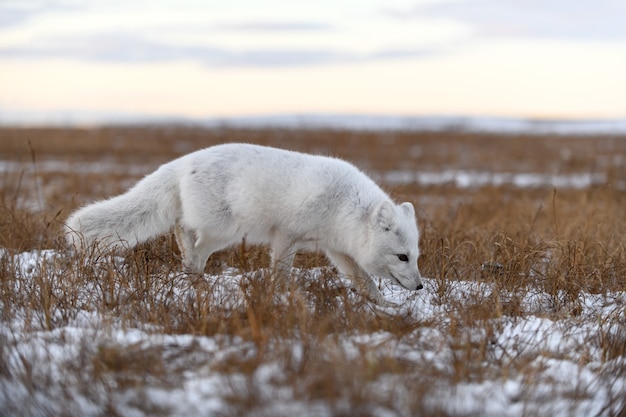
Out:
{"x": 419, "y": 287}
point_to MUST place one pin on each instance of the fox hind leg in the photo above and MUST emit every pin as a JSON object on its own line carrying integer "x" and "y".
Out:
{"x": 194, "y": 247}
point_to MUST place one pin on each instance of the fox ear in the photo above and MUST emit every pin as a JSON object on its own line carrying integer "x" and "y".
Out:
{"x": 408, "y": 208}
{"x": 384, "y": 215}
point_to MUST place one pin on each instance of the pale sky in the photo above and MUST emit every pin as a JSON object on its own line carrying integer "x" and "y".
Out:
{"x": 65, "y": 59}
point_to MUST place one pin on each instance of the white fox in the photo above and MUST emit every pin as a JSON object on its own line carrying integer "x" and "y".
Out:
{"x": 215, "y": 197}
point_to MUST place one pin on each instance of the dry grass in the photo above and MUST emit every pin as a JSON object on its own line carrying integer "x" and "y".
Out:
{"x": 564, "y": 245}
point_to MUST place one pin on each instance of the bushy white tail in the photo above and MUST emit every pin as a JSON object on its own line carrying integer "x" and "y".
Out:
{"x": 148, "y": 209}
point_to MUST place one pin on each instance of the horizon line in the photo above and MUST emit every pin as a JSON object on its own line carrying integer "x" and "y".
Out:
{"x": 335, "y": 121}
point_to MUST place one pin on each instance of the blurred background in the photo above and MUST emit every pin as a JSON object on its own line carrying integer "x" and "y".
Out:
{"x": 66, "y": 62}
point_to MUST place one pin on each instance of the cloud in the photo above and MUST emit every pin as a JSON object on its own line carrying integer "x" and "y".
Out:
{"x": 123, "y": 32}
{"x": 102, "y": 47}
{"x": 15, "y": 12}
{"x": 281, "y": 57}
{"x": 12, "y": 17}
{"x": 133, "y": 48}
{"x": 285, "y": 26}
{"x": 558, "y": 19}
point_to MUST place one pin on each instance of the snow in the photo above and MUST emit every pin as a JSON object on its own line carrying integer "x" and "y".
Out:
{"x": 473, "y": 179}
{"x": 559, "y": 352}
{"x": 59, "y": 166}
{"x": 458, "y": 178}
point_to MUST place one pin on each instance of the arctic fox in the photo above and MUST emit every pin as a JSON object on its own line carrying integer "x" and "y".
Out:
{"x": 215, "y": 197}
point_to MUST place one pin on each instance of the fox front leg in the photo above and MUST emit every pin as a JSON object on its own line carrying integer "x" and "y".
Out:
{"x": 362, "y": 281}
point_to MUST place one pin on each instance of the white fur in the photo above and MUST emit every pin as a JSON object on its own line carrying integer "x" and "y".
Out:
{"x": 218, "y": 196}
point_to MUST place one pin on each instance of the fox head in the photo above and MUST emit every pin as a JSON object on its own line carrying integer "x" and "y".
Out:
{"x": 393, "y": 249}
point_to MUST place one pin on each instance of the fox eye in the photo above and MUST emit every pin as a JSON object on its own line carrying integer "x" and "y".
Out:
{"x": 403, "y": 258}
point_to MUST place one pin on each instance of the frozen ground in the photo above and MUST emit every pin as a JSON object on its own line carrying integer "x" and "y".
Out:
{"x": 47, "y": 372}
{"x": 460, "y": 178}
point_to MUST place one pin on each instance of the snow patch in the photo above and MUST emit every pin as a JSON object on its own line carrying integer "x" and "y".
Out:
{"x": 562, "y": 360}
